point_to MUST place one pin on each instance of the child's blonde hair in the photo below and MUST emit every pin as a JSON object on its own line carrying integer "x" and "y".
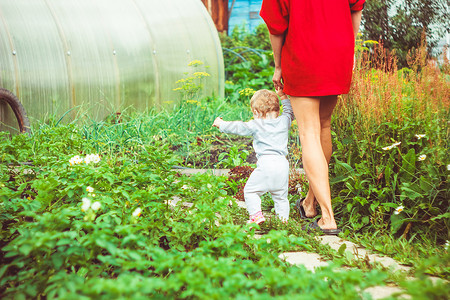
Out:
{"x": 264, "y": 102}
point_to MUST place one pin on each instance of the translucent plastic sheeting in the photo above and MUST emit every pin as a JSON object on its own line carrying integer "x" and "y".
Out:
{"x": 96, "y": 57}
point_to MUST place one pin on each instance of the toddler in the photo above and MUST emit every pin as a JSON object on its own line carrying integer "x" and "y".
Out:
{"x": 270, "y": 133}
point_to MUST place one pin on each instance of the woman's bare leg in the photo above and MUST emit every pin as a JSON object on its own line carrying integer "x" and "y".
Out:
{"x": 310, "y": 115}
{"x": 326, "y": 108}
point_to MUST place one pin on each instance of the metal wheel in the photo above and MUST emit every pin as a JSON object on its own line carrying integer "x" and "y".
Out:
{"x": 17, "y": 108}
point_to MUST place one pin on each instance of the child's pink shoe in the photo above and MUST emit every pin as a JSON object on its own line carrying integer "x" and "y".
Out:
{"x": 257, "y": 218}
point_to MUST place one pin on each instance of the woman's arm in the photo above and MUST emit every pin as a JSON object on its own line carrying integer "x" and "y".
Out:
{"x": 356, "y": 21}
{"x": 277, "y": 42}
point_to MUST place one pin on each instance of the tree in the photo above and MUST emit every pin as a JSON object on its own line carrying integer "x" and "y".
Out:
{"x": 399, "y": 24}
{"x": 376, "y": 21}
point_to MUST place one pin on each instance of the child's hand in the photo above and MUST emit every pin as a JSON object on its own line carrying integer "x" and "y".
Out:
{"x": 217, "y": 122}
{"x": 280, "y": 92}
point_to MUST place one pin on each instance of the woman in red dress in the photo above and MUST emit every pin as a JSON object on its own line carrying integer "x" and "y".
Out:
{"x": 313, "y": 47}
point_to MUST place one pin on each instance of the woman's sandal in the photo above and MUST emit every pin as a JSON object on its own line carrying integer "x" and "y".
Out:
{"x": 300, "y": 209}
{"x": 314, "y": 226}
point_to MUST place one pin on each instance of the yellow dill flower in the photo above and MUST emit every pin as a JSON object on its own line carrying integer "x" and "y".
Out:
{"x": 195, "y": 63}
{"x": 246, "y": 92}
{"x": 200, "y": 74}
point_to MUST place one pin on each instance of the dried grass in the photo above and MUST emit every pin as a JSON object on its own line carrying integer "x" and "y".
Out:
{"x": 381, "y": 93}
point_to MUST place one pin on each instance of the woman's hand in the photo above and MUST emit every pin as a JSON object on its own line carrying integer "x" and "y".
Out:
{"x": 277, "y": 79}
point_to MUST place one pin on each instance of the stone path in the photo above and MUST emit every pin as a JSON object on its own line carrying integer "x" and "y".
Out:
{"x": 312, "y": 260}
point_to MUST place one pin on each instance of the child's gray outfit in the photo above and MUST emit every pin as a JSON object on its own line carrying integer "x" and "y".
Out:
{"x": 270, "y": 138}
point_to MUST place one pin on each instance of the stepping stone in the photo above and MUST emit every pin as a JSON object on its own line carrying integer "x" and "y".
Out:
{"x": 382, "y": 292}
{"x": 310, "y": 260}
{"x": 216, "y": 172}
{"x": 336, "y": 242}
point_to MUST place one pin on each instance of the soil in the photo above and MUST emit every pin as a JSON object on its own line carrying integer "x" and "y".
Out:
{"x": 210, "y": 149}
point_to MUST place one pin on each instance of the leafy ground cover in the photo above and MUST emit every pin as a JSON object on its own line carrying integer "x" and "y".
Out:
{"x": 74, "y": 223}
{"x": 57, "y": 241}
{"x": 85, "y": 211}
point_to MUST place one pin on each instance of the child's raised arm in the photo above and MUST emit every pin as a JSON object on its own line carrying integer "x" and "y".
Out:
{"x": 287, "y": 108}
{"x": 281, "y": 93}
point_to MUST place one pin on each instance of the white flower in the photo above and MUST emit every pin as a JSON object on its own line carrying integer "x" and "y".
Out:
{"x": 448, "y": 167}
{"x": 94, "y": 158}
{"x": 137, "y": 212}
{"x": 398, "y": 210}
{"x": 391, "y": 146}
{"x": 76, "y": 160}
{"x": 419, "y": 136}
{"x": 86, "y": 204}
{"x": 90, "y": 189}
{"x": 422, "y": 157}
{"x": 96, "y": 205}
{"x": 447, "y": 244}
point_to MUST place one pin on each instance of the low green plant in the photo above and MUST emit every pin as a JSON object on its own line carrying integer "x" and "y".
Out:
{"x": 98, "y": 225}
{"x": 236, "y": 156}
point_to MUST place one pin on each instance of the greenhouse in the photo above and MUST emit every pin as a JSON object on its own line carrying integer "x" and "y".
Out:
{"x": 102, "y": 56}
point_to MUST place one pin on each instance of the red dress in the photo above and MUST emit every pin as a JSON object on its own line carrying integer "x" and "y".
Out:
{"x": 317, "y": 56}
